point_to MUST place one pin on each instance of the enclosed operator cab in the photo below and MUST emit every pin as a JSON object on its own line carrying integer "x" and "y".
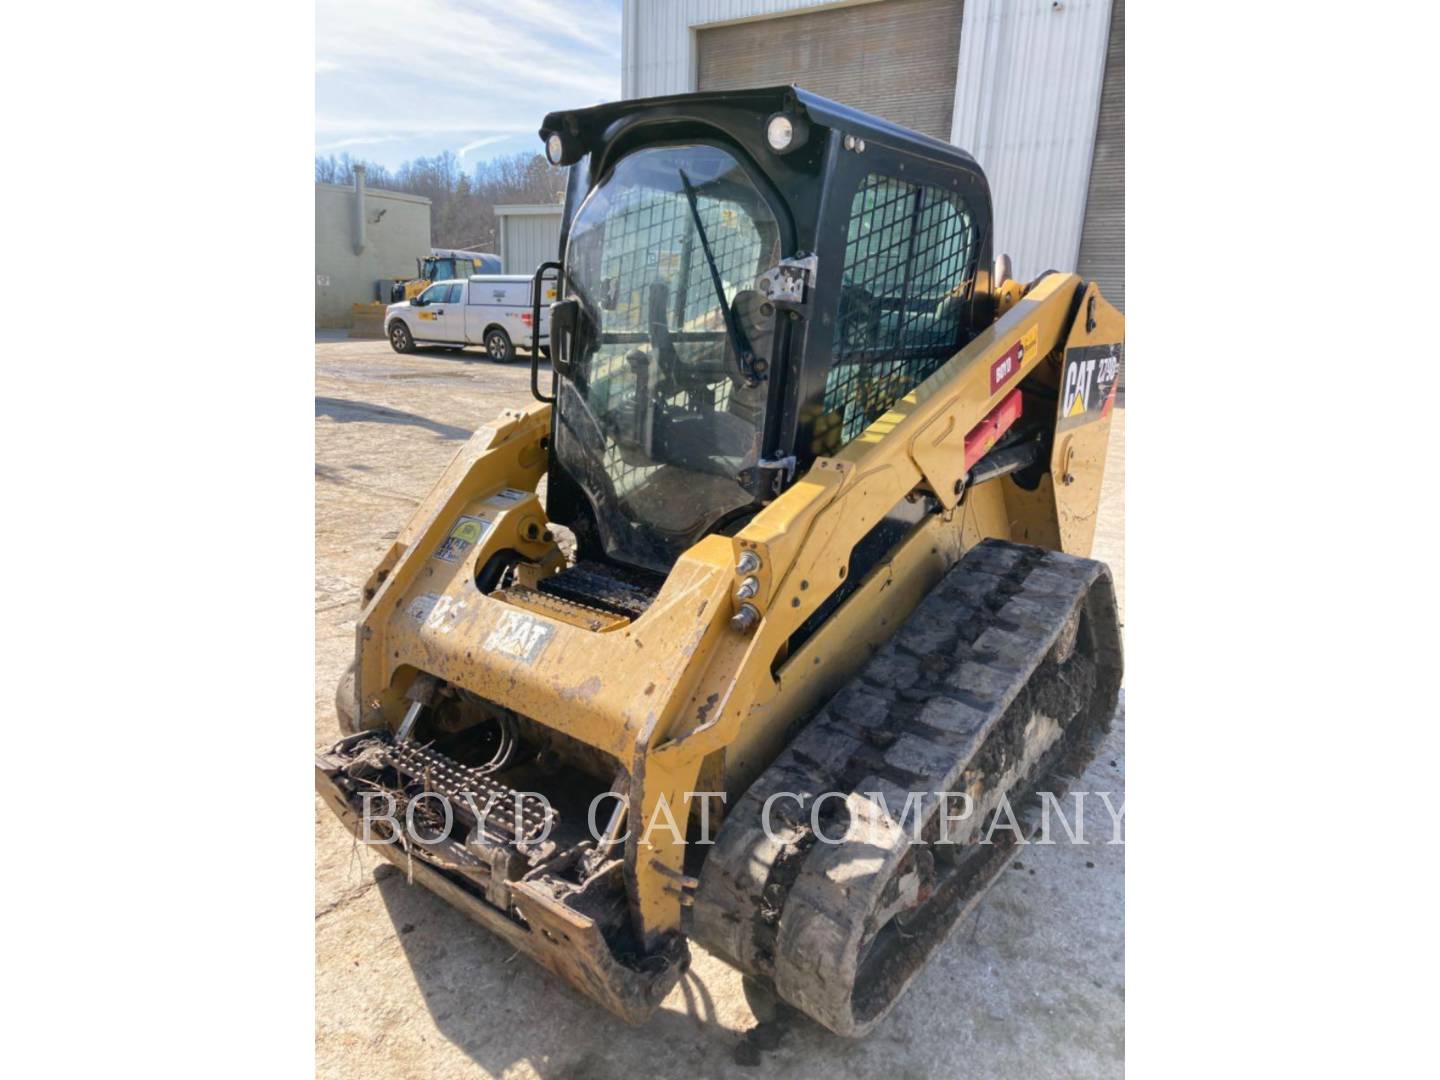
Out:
{"x": 696, "y": 372}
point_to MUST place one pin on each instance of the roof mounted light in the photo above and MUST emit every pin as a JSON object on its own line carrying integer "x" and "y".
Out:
{"x": 779, "y": 133}
{"x": 786, "y": 132}
{"x": 555, "y": 148}
{"x": 562, "y": 146}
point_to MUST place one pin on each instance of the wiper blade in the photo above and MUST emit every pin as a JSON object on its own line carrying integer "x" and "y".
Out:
{"x": 733, "y": 331}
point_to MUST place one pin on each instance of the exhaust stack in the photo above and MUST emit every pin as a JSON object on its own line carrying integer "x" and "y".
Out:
{"x": 359, "y": 171}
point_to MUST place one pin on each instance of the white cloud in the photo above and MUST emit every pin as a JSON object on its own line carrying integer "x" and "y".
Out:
{"x": 419, "y": 70}
{"x": 337, "y": 125}
{"x": 488, "y": 140}
{"x": 364, "y": 140}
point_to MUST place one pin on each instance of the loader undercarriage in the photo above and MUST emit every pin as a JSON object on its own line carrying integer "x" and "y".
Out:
{"x": 998, "y": 686}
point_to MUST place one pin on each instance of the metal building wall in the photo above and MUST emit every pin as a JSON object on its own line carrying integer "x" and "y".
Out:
{"x": 1102, "y": 243}
{"x": 528, "y": 239}
{"x": 393, "y": 241}
{"x": 1026, "y": 103}
{"x": 658, "y": 46}
{"x": 896, "y": 59}
{"x": 1026, "y": 100}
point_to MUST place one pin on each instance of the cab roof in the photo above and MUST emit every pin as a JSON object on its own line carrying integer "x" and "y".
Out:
{"x": 592, "y": 124}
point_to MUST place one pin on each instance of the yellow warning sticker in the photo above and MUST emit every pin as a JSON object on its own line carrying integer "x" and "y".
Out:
{"x": 466, "y": 533}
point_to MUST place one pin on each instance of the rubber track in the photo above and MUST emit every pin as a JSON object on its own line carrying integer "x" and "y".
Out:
{"x": 944, "y": 702}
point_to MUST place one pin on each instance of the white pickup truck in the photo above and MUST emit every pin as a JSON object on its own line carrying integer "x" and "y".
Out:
{"x": 492, "y": 310}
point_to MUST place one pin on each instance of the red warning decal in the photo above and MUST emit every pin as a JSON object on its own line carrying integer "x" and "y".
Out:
{"x": 1008, "y": 366}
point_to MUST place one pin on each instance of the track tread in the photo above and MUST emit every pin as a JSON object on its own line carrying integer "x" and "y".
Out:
{"x": 921, "y": 715}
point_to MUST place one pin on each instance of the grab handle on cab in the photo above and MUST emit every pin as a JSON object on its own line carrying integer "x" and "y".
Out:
{"x": 537, "y": 284}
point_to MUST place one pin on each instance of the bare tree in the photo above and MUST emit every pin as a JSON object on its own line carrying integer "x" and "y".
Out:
{"x": 462, "y": 205}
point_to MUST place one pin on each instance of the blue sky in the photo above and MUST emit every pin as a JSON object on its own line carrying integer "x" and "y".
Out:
{"x": 397, "y": 79}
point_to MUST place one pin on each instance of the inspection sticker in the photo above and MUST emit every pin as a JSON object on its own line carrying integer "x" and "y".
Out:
{"x": 468, "y": 532}
{"x": 1009, "y": 365}
{"x": 520, "y": 636}
{"x": 421, "y": 607}
{"x": 508, "y": 497}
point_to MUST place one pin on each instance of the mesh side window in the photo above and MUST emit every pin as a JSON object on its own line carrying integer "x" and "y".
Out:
{"x": 909, "y": 259}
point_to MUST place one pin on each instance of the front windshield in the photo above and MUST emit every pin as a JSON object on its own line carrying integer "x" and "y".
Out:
{"x": 659, "y": 421}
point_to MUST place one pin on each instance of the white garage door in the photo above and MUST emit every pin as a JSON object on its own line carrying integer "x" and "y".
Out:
{"x": 1102, "y": 240}
{"x": 895, "y": 59}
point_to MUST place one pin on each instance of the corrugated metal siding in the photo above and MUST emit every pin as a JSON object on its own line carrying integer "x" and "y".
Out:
{"x": 1025, "y": 106}
{"x": 658, "y": 47}
{"x": 896, "y": 59}
{"x": 527, "y": 240}
{"x": 1102, "y": 242}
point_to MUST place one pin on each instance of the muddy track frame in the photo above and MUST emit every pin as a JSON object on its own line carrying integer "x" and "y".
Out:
{"x": 1001, "y": 682}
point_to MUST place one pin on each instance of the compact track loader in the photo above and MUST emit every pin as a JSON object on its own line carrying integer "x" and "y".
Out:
{"x": 831, "y": 476}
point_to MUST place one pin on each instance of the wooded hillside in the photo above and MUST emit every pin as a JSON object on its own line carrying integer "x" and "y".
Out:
{"x": 462, "y": 204}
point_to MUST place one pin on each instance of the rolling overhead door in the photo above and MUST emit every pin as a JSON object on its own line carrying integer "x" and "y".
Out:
{"x": 1102, "y": 239}
{"x": 896, "y": 59}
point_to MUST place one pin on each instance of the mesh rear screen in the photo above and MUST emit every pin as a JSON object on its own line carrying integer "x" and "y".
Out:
{"x": 909, "y": 260}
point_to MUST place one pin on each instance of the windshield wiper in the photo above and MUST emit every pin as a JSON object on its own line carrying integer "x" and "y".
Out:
{"x": 753, "y": 371}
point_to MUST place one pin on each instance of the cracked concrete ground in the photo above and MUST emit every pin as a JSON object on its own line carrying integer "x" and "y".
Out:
{"x": 1031, "y": 985}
